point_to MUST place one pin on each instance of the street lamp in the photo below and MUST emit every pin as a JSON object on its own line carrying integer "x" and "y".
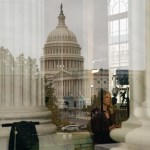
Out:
{"x": 100, "y": 93}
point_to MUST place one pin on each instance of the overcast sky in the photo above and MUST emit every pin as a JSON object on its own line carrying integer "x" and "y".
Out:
{"x": 88, "y": 20}
{"x": 22, "y": 31}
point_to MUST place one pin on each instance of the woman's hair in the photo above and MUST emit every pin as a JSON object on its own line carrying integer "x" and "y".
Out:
{"x": 110, "y": 108}
{"x": 105, "y": 92}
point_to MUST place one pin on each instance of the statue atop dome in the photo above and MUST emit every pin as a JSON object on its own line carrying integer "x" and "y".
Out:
{"x": 61, "y": 9}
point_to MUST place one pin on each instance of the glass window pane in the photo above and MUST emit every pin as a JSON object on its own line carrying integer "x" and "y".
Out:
{"x": 123, "y": 7}
{"x": 110, "y": 7}
{"x": 114, "y": 55}
{"x": 115, "y": 9}
{"x": 111, "y": 26}
{"x": 117, "y": 6}
{"x": 115, "y": 48}
{"x": 112, "y": 2}
{"x": 123, "y": 47}
{"x": 117, "y": 1}
{"x": 115, "y": 26}
{"x": 115, "y": 37}
{"x": 110, "y": 38}
{"x": 124, "y": 54}
{"x": 123, "y": 24}
{"x": 115, "y": 31}
{"x": 125, "y": 1}
{"x": 123, "y": 30}
{"x": 123, "y": 37}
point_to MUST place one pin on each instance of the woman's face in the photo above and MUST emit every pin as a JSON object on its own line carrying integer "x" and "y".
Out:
{"x": 107, "y": 99}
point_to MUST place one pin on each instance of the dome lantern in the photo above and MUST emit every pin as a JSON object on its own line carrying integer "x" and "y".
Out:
{"x": 61, "y": 17}
{"x": 61, "y": 33}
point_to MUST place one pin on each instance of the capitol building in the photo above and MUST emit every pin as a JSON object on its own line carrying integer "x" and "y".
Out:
{"x": 63, "y": 65}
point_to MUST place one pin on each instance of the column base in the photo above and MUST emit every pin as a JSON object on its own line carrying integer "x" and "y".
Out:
{"x": 127, "y": 126}
{"x": 139, "y": 138}
{"x": 106, "y": 146}
{"x": 122, "y": 146}
{"x": 47, "y": 142}
{"x": 34, "y": 114}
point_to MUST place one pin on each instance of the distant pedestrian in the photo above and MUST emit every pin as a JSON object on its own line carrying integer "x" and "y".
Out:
{"x": 114, "y": 100}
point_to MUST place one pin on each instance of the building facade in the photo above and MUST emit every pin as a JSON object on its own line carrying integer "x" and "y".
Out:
{"x": 63, "y": 64}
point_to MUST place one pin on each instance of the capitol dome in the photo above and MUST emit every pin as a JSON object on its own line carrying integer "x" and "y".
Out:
{"x": 61, "y": 33}
{"x": 61, "y": 50}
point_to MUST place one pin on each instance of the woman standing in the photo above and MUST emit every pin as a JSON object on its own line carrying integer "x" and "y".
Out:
{"x": 103, "y": 122}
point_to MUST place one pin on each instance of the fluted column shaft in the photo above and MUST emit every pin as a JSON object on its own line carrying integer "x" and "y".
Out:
{"x": 138, "y": 138}
{"x": 137, "y": 67}
{"x": 22, "y": 96}
{"x": 142, "y": 112}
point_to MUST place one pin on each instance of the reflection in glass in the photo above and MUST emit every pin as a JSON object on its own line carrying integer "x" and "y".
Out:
{"x": 117, "y": 6}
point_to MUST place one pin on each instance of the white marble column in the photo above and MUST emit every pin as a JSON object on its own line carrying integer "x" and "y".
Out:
{"x": 21, "y": 95}
{"x": 69, "y": 64}
{"x": 68, "y": 86}
{"x": 69, "y": 90}
{"x": 139, "y": 14}
{"x": 51, "y": 64}
{"x": 18, "y": 101}
{"x": 66, "y": 65}
{"x": 133, "y": 139}
{"x": 48, "y": 67}
{"x": 71, "y": 86}
{"x": 72, "y": 63}
{"x": 34, "y": 91}
{"x": 17, "y": 84}
{"x": 8, "y": 83}
{"x": 79, "y": 65}
{"x": 55, "y": 66}
{"x": 63, "y": 88}
{"x": 58, "y": 64}
{"x": 83, "y": 87}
